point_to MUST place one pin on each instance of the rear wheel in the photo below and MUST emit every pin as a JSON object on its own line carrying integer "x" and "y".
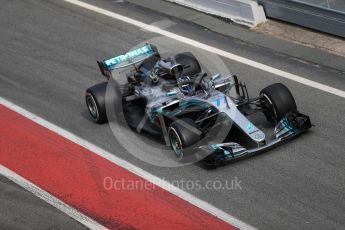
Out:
{"x": 278, "y": 101}
{"x": 189, "y": 63}
{"x": 182, "y": 134}
{"x": 95, "y": 102}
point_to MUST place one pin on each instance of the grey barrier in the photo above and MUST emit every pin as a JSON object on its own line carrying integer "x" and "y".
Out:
{"x": 323, "y": 15}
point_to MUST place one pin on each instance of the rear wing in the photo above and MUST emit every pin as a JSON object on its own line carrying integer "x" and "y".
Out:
{"x": 127, "y": 59}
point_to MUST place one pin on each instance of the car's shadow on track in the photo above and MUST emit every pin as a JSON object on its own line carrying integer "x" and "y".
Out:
{"x": 251, "y": 156}
{"x": 86, "y": 115}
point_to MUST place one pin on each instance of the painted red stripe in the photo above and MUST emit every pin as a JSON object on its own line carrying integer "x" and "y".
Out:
{"x": 75, "y": 175}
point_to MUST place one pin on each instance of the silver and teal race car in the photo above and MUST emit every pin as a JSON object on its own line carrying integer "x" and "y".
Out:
{"x": 210, "y": 118}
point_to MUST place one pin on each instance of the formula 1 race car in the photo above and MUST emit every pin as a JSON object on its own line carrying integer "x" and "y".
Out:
{"x": 173, "y": 98}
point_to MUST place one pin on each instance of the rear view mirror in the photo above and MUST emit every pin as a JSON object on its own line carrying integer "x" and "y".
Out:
{"x": 214, "y": 77}
{"x": 176, "y": 70}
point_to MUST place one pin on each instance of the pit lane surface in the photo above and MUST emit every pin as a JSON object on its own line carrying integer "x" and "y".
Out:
{"x": 20, "y": 209}
{"x": 48, "y": 57}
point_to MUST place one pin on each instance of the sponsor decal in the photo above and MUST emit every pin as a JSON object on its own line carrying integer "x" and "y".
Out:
{"x": 128, "y": 56}
{"x": 220, "y": 102}
{"x": 250, "y": 126}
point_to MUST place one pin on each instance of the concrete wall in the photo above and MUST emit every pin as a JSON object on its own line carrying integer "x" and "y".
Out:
{"x": 245, "y": 12}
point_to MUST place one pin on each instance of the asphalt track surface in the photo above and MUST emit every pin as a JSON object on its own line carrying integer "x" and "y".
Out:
{"x": 48, "y": 52}
{"x": 20, "y": 209}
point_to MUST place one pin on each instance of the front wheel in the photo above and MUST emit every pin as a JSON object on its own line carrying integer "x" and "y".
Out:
{"x": 182, "y": 134}
{"x": 278, "y": 101}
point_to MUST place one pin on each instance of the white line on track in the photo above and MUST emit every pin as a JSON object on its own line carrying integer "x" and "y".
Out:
{"x": 126, "y": 165}
{"x": 50, "y": 199}
{"x": 212, "y": 49}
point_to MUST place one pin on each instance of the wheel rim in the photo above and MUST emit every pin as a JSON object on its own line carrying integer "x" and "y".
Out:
{"x": 92, "y": 106}
{"x": 175, "y": 143}
{"x": 271, "y": 103}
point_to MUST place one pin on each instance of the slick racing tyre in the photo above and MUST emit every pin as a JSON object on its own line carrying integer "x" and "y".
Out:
{"x": 95, "y": 102}
{"x": 189, "y": 63}
{"x": 182, "y": 134}
{"x": 278, "y": 101}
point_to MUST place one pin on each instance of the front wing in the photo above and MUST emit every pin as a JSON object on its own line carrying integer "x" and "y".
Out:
{"x": 291, "y": 126}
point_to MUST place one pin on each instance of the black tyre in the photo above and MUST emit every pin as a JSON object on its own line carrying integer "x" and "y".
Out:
{"x": 190, "y": 64}
{"x": 95, "y": 102}
{"x": 182, "y": 134}
{"x": 278, "y": 100}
